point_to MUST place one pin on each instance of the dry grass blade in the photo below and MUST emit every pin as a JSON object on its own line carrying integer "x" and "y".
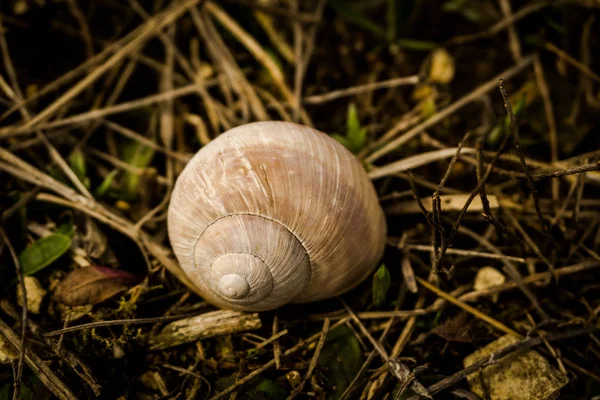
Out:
{"x": 351, "y": 91}
{"x": 416, "y": 161}
{"x": 103, "y": 112}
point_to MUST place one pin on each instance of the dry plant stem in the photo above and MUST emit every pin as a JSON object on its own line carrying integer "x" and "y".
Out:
{"x": 103, "y": 112}
{"x": 276, "y": 345}
{"x": 85, "y": 29}
{"x": 151, "y": 28}
{"x": 277, "y": 39}
{"x": 117, "y": 322}
{"x": 481, "y": 183}
{"x": 416, "y": 161}
{"x": 436, "y": 204}
{"x": 271, "y": 363}
{"x": 299, "y": 40}
{"x": 548, "y": 109}
{"x": 359, "y": 89}
{"x": 568, "y": 171}
{"x": 451, "y": 109}
{"x": 504, "y": 23}
{"x": 519, "y": 149}
{"x": 475, "y": 312}
{"x": 513, "y": 37}
{"x": 38, "y": 366}
{"x": 575, "y": 63}
{"x": 273, "y": 339}
{"x": 117, "y": 163}
{"x": 166, "y": 128}
{"x": 294, "y": 15}
{"x": 469, "y": 253}
{"x": 24, "y": 320}
{"x": 487, "y": 211}
{"x": 181, "y": 158}
{"x": 256, "y": 50}
{"x": 313, "y": 361}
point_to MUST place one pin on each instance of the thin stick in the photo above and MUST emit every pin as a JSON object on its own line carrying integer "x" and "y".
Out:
{"x": 504, "y": 23}
{"x": 581, "y": 67}
{"x": 517, "y": 138}
{"x": 496, "y": 324}
{"x": 549, "y": 111}
{"x": 568, "y": 171}
{"x": 276, "y": 345}
{"x": 118, "y": 322}
{"x": 469, "y": 253}
{"x": 351, "y": 91}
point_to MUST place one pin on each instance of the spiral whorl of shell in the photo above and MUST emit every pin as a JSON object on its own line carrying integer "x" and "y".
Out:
{"x": 271, "y": 213}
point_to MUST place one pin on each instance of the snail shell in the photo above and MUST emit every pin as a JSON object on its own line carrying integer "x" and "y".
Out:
{"x": 271, "y": 213}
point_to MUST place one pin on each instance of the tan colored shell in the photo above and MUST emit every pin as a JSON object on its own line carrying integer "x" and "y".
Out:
{"x": 271, "y": 213}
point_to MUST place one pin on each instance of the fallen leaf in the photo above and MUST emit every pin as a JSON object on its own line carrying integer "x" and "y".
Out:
{"x": 456, "y": 329}
{"x": 92, "y": 285}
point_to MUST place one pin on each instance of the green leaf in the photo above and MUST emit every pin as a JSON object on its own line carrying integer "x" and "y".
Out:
{"x": 43, "y": 253}
{"x": 106, "y": 183}
{"x": 66, "y": 229}
{"x": 340, "y": 360}
{"x": 77, "y": 164}
{"x": 356, "y": 134}
{"x": 381, "y": 284}
{"x": 139, "y": 156}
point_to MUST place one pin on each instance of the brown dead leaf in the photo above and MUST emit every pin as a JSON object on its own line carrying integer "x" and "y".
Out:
{"x": 457, "y": 329}
{"x": 92, "y": 285}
